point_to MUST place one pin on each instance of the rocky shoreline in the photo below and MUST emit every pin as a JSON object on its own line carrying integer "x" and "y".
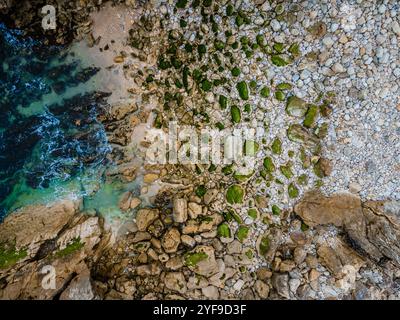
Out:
{"x": 349, "y": 251}
{"x": 277, "y": 229}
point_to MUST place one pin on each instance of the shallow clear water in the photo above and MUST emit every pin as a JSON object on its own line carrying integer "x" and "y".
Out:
{"x": 51, "y": 144}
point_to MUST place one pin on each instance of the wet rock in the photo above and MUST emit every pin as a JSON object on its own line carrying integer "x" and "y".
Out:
{"x": 141, "y": 236}
{"x": 150, "y": 177}
{"x": 145, "y": 217}
{"x": 125, "y": 201}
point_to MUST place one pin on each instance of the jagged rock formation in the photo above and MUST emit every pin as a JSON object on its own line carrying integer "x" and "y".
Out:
{"x": 350, "y": 249}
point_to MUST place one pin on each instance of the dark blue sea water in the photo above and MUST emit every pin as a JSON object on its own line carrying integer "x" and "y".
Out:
{"x": 49, "y": 134}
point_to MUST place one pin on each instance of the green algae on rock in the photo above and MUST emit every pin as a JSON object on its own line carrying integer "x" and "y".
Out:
{"x": 293, "y": 191}
{"x": 276, "y": 210}
{"x": 243, "y": 90}
{"x": 276, "y": 146}
{"x": 264, "y": 245}
{"x": 223, "y": 230}
{"x": 296, "y": 107}
{"x": 242, "y": 233}
{"x": 235, "y": 194}
{"x": 193, "y": 258}
{"x": 311, "y": 116}
{"x": 9, "y": 255}
{"x": 235, "y": 114}
{"x": 72, "y": 247}
{"x": 269, "y": 164}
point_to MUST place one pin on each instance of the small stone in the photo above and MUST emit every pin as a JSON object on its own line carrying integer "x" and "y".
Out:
{"x": 296, "y": 106}
{"x": 180, "y": 212}
{"x": 175, "y": 281}
{"x": 313, "y": 275}
{"x": 263, "y": 273}
{"x": 210, "y": 292}
{"x": 275, "y": 25}
{"x": 210, "y": 196}
{"x": 338, "y": 68}
{"x": 135, "y": 202}
{"x": 281, "y": 285}
{"x": 119, "y": 59}
{"x": 396, "y": 27}
{"x": 171, "y": 240}
{"x": 202, "y": 261}
{"x": 174, "y": 263}
{"x": 287, "y": 265}
{"x": 354, "y": 187}
{"x": 209, "y": 97}
{"x": 188, "y": 241}
{"x": 238, "y": 285}
{"x": 235, "y": 247}
{"x": 294, "y": 284}
{"x": 259, "y": 21}
{"x": 299, "y": 255}
{"x": 145, "y": 217}
{"x": 125, "y": 201}
{"x": 343, "y": 39}
{"x": 262, "y": 289}
{"x": 328, "y": 42}
{"x": 312, "y": 261}
{"x": 150, "y": 177}
{"x": 194, "y": 210}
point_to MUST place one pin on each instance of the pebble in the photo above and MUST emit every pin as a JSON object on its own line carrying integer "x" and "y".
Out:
{"x": 275, "y": 25}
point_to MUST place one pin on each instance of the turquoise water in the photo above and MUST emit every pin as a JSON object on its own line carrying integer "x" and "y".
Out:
{"x": 51, "y": 144}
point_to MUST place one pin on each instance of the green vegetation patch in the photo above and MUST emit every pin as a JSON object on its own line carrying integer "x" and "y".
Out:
{"x": 10, "y": 256}
{"x": 192, "y": 259}
{"x": 235, "y": 194}
{"x": 243, "y": 90}
{"x": 71, "y": 247}
{"x": 224, "y": 231}
{"x": 264, "y": 245}
{"x": 242, "y": 233}
{"x": 276, "y": 146}
{"x": 235, "y": 114}
{"x": 200, "y": 191}
{"x": 269, "y": 164}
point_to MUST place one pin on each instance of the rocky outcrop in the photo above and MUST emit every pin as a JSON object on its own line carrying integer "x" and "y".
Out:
{"x": 59, "y": 243}
{"x": 32, "y": 226}
{"x": 372, "y": 227}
